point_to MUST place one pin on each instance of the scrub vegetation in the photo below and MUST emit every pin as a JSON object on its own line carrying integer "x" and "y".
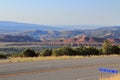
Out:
{"x": 62, "y": 53}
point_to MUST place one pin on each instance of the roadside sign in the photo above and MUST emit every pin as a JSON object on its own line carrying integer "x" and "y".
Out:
{"x": 105, "y": 70}
{"x": 108, "y": 70}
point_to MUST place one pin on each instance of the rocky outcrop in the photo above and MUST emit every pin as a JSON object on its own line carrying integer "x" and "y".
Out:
{"x": 84, "y": 39}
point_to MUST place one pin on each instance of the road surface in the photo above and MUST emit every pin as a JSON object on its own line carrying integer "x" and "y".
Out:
{"x": 76, "y": 69}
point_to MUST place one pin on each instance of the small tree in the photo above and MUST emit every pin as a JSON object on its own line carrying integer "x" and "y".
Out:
{"x": 83, "y": 51}
{"x": 80, "y": 50}
{"x": 57, "y": 52}
{"x": 29, "y": 53}
{"x": 76, "y": 51}
{"x": 115, "y": 50}
{"x": 106, "y": 47}
{"x": 92, "y": 51}
{"x": 100, "y": 51}
{"x": 67, "y": 51}
{"x": 46, "y": 52}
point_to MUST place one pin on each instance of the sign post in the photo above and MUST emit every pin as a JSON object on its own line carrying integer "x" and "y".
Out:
{"x": 100, "y": 75}
{"x": 107, "y": 71}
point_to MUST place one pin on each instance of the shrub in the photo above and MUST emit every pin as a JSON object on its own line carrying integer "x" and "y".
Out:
{"x": 82, "y": 51}
{"x": 29, "y": 53}
{"x": 92, "y": 51}
{"x": 63, "y": 51}
{"x": 86, "y": 51}
{"x": 57, "y": 52}
{"x": 46, "y": 52}
{"x": 3, "y": 56}
{"x": 115, "y": 50}
{"x": 67, "y": 51}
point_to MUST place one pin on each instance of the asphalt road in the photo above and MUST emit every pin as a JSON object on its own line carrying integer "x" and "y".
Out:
{"x": 77, "y": 69}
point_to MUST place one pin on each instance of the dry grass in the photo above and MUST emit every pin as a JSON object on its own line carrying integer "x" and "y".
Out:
{"x": 3, "y": 61}
{"x": 31, "y": 59}
{"x": 116, "y": 77}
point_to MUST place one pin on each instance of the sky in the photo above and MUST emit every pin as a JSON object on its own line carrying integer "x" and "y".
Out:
{"x": 61, "y": 12}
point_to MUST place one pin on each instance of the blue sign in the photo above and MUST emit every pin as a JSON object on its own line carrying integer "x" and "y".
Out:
{"x": 108, "y": 70}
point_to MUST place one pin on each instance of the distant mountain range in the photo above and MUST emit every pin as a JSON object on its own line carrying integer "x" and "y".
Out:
{"x": 35, "y": 32}
{"x": 106, "y": 32}
{"x": 17, "y": 27}
{"x": 79, "y": 27}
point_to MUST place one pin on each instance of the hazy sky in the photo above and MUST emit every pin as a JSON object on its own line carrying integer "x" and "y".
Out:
{"x": 61, "y": 12}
